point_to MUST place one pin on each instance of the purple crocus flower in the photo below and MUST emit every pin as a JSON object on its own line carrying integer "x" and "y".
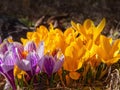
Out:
{"x": 6, "y": 46}
{"x": 6, "y": 67}
{"x": 52, "y": 64}
{"x": 8, "y": 58}
{"x": 30, "y": 63}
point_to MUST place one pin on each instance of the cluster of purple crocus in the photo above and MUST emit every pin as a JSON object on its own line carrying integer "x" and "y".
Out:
{"x": 35, "y": 61}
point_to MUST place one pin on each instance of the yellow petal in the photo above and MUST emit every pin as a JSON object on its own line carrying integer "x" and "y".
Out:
{"x": 29, "y": 35}
{"x": 99, "y": 29}
{"x": 115, "y": 48}
{"x": 74, "y": 75}
{"x": 24, "y": 41}
{"x": 69, "y": 51}
{"x": 93, "y": 50}
{"x": 68, "y": 31}
{"x": 80, "y": 63}
{"x": 112, "y": 60}
{"x": 74, "y": 25}
{"x": 10, "y": 39}
{"x": 70, "y": 64}
{"x": 81, "y": 30}
{"x": 18, "y": 72}
{"x": 102, "y": 53}
{"x": 89, "y": 44}
{"x": 42, "y": 30}
{"x": 88, "y": 24}
{"x": 105, "y": 44}
{"x": 81, "y": 52}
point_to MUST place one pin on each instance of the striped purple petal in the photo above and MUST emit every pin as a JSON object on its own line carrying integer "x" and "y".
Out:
{"x": 30, "y": 46}
{"x": 19, "y": 46}
{"x": 3, "y": 47}
{"x": 58, "y": 63}
{"x": 24, "y": 65}
{"x": 33, "y": 58}
{"x": 48, "y": 65}
{"x": 6, "y": 68}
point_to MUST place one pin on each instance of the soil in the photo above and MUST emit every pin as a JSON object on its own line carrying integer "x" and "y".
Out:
{"x": 78, "y": 10}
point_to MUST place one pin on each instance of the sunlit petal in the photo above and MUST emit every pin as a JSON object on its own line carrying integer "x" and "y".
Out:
{"x": 99, "y": 29}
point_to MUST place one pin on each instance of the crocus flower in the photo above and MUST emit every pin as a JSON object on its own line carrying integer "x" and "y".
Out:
{"x": 7, "y": 63}
{"x": 39, "y": 35}
{"x": 53, "y": 38}
{"x": 52, "y": 64}
{"x": 30, "y": 62}
{"x": 88, "y": 30}
{"x": 109, "y": 53}
{"x": 8, "y": 59}
{"x": 73, "y": 59}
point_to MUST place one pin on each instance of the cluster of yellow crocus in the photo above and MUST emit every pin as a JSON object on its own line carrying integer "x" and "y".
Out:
{"x": 81, "y": 45}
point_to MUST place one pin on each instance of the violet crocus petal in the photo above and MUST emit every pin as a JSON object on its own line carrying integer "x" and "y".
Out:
{"x": 30, "y": 46}
{"x": 1, "y": 61}
{"x": 6, "y": 68}
{"x": 17, "y": 49}
{"x": 58, "y": 63}
{"x": 33, "y": 58}
{"x": 19, "y": 46}
{"x": 7, "y": 71}
{"x": 40, "y": 64}
{"x": 40, "y": 49}
{"x": 8, "y": 62}
{"x": 49, "y": 63}
{"x": 1, "y": 70}
{"x": 9, "y": 75}
{"x": 37, "y": 70}
{"x": 3, "y": 47}
{"x": 9, "y": 58}
{"x": 24, "y": 65}
{"x": 18, "y": 54}
{"x": 1, "y": 58}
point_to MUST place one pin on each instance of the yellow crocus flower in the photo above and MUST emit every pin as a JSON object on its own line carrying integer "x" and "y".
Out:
{"x": 39, "y": 35}
{"x": 70, "y": 35}
{"x": 19, "y": 73}
{"x": 73, "y": 59}
{"x": 109, "y": 53}
{"x": 88, "y": 30}
{"x": 54, "y": 40}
